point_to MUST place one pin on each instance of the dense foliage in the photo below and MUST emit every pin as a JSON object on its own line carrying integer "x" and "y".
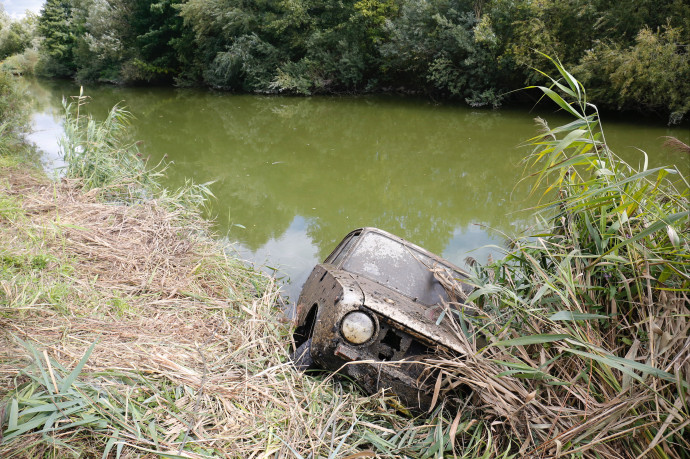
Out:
{"x": 634, "y": 52}
{"x": 13, "y": 113}
{"x": 16, "y": 39}
{"x": 587, "y": 317}
{"x": 15, "y": 36}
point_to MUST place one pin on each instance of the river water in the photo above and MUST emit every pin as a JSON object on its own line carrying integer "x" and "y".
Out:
{"x": 292, "y": 176}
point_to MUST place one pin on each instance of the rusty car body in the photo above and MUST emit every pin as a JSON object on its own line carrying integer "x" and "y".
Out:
{"x": 376, "y": 308}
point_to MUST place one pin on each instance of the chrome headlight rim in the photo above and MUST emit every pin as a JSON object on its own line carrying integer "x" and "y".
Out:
{"x": 361, "y": 313}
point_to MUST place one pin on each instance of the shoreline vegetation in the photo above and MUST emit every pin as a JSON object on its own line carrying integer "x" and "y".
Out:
{"x": 589, "y": 317}
{"x": 127, "y": 330}
{"x": 633, "y": 54}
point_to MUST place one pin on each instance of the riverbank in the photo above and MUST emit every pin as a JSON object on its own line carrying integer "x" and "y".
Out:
{"x": 130, "y": 331}
{"x": 126, "y": 329}
{"x": 187, "y": 349}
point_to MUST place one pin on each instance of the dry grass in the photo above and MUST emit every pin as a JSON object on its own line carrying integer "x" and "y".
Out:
{"x": 574, "y": 396}
{"x": 198, "y": 331}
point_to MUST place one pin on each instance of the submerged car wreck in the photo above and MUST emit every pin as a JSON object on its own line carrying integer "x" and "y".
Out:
{"x": 375, "y": 309}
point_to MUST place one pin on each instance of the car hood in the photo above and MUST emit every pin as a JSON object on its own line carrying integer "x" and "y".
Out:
{"x": 416, "y": 318}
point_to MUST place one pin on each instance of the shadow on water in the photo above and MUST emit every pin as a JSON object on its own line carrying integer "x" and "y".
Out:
{"x": 294, "y": 175}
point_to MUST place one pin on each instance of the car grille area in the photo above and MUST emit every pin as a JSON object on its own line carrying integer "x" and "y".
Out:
{"x": 393, "y": 344}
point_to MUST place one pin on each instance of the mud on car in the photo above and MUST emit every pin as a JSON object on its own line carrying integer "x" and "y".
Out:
{"x": 375, "y": 309}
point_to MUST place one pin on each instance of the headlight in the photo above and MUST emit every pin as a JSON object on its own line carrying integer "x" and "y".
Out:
{"x": 357, "y": 327}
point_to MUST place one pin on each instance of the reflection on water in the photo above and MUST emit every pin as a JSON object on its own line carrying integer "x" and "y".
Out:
{"x": 46, "y": 120}
{"x": 294, "y": 175}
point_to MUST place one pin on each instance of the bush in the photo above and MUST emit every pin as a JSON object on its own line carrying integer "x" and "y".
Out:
{"x": 14, "y": 116}
{"x": 250, "y": 65}
{"x": 295, "y": 77}
{"x": 24, "y": 63}
{"x": 50, "y": 67}
{"x": 652, "y": 75}
{"x": 15, "y": 38}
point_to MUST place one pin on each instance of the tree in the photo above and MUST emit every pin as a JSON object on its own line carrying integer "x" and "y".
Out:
{"x": 14, "y": 39}
{"x": 471, "y": 50}
{"x": 56, "y": 27}
{"x": 653, "y": 75}
{"x": 156, "y": 29}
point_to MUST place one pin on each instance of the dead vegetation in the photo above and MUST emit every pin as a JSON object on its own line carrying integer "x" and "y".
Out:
{"x": 190, "y": 351}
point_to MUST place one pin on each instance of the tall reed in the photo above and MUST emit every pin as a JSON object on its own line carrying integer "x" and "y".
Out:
{"x": 587, "y": 319}
{"x": 102, "y": 156}
{"x": 98, "y": 152}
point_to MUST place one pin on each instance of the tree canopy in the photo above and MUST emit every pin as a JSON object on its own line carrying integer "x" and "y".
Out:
{"x": 634, "y": 52}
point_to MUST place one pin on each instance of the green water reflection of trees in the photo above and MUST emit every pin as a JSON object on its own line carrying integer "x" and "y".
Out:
{"x": 413, "y": 168}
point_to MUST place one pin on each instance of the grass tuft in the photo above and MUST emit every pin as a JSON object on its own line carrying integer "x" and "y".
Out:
{"x": 587, "y": 321}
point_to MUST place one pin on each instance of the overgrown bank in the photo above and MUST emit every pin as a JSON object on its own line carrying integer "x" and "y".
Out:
{"x": 127, "y": 330}
{"x": 588, "y": 316}
{"x": 588, "y": 321}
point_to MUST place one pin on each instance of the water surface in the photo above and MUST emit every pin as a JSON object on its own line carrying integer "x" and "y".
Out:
{"x": 292, "y": 176}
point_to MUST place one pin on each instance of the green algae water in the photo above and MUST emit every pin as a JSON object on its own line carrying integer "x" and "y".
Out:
{"x": 292, "y": 176}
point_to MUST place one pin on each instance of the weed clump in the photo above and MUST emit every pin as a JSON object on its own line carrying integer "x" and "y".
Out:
{"x": 587, "y": 320}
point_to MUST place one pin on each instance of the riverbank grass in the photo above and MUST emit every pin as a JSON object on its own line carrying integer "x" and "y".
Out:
{"x": 127, "y": 330}
{"x": 588, "y": 316}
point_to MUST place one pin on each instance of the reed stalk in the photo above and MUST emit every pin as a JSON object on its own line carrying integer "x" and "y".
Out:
{"x": 587, "y": 319}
